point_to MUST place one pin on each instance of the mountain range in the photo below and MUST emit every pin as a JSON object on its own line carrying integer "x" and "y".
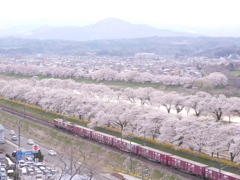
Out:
{"x": 110, "y": 28}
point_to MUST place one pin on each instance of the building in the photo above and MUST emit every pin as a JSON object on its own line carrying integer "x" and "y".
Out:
{"x": 145, "y": 56}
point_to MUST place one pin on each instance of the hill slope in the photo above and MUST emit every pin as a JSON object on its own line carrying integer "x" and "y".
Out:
{"x": 110, "y": 28}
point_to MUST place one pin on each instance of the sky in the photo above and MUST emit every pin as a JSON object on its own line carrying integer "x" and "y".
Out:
{"x": 152, "y": 12}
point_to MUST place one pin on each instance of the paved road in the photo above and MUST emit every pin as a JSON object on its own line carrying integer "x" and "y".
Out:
{"x": 51, "y": 161}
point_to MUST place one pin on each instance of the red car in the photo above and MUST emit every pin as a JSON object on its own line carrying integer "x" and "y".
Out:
{"x": 83, "y": 131}
{"x": 154, "y": 154}
{"x": 103, "y": 138}
{"x": 216, "y": 174}
{"x": 126, "y": 145}
{"x": 188, "y": 165}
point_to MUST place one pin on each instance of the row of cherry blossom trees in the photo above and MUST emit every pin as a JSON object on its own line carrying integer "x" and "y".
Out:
{"x": 214, "y": 79}
{"x": 56, "y": 94}
{"x": 139, "y": 111}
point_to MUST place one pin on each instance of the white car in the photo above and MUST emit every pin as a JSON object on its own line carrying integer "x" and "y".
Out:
{"x": 30, "y": 141}
{"x": 52, "y": 153}
{"x": 12, "y": 132}
{"x": 14, "y": 138}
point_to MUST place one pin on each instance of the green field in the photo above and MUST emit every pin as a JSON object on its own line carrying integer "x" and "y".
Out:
{"x": 114, "y": 84}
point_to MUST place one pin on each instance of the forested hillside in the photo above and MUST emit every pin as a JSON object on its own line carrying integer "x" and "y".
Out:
{"x": 165, "y": 46}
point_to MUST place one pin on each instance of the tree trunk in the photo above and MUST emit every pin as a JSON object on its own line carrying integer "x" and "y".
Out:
{"x": 232, "y": 156}
{"x": 197, "y": 113}
{"x": 218, "y": 115}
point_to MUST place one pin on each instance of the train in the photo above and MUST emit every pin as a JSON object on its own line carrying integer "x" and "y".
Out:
{"x": 195, "y": 168}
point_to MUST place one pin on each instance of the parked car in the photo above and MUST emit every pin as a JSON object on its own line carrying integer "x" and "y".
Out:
{"x": 3, "y": 165}
{"x": 30, "y": 142}
{"x": 14, "y": 138}
{"x": 12, "y": 132}
{"x": 3, "y": 177}
{"x": 3, "y": 170}
{"x": 10, "y": 174}
{"x": 29, "y": 159}
{"x": 2, "y": 141}
{"x": 52, "y": 153}
{"x": 21, "y": 162}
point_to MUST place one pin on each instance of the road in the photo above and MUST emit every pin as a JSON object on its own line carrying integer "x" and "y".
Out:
{"x": 53, "y": 162}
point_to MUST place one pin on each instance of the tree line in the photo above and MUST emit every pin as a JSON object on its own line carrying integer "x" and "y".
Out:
{"x": 214, "y": 79}
{"x": 146, "y": 112}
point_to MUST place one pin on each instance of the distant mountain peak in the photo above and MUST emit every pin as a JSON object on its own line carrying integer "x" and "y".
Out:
{"x": 109, "y": 28}
{"x": 113, "y": 21}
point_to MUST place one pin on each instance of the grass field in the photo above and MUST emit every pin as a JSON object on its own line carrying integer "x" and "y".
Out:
{"x": 236, "y": 72}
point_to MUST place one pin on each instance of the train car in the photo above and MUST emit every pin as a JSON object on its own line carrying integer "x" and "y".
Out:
{"x": 83, "y": 131}
{"x": 57, "y": 122}
{"x": 216, "y": 174}
{"x": 103, "y": 138}
{"x": 154, "y": 154}
{"x": 188, "y": 165}
{"x": 126, "y": 145}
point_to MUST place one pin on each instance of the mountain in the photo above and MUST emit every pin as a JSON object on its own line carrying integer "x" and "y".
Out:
{"x": 110, "y": 28}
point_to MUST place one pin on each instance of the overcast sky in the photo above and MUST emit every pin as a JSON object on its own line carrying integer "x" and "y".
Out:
{"x": 152, "y": 12}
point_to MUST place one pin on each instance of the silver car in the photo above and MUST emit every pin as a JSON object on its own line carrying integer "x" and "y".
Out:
{"x": 14, "y": 138}
{"x": 12, "y": 132}
{"x": 30, "y": 141}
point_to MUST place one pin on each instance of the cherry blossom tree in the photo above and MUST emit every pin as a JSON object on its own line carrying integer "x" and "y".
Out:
{"x": 143, "y": 94}
{"x": 151, "y": 124}
{"x": 129, "y": 94}
{"x": 216, "y": 106}
{"x": 197, "y": 102}
{"x": 168, "y": 99}
{"x": 196, "y": 131}
{"x": 216, "y": 79}
{"x": 104, "y": 74}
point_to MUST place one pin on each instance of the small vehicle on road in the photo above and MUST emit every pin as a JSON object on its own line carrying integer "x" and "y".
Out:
{"x": 14, "y": 138}
{"x": 12, "y": 132}
{"x": 30, "y": 142}
{"x": 52, "y": 153}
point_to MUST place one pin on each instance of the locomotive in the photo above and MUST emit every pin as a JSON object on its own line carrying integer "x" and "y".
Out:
{"x": 189, "y": 166}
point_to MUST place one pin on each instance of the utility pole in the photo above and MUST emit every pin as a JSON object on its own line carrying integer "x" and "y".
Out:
{"x": 131, "y": 155}
{"x": 71, "y": 159}
{"x": 19, "y": 134}
{"x": 220, "y": 169}
{"x": 24, "y": 111}
{"x": 41, "y": 111}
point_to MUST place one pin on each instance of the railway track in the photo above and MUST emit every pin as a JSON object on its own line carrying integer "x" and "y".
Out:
{"x": 26, "y": 116}
{"x": 48, "y": 123}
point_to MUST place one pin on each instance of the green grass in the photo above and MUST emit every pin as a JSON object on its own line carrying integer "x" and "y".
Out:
{"x": 96, "y": 147}
{"x": 87, "y": 80}
{"x": 235, "y": 72}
